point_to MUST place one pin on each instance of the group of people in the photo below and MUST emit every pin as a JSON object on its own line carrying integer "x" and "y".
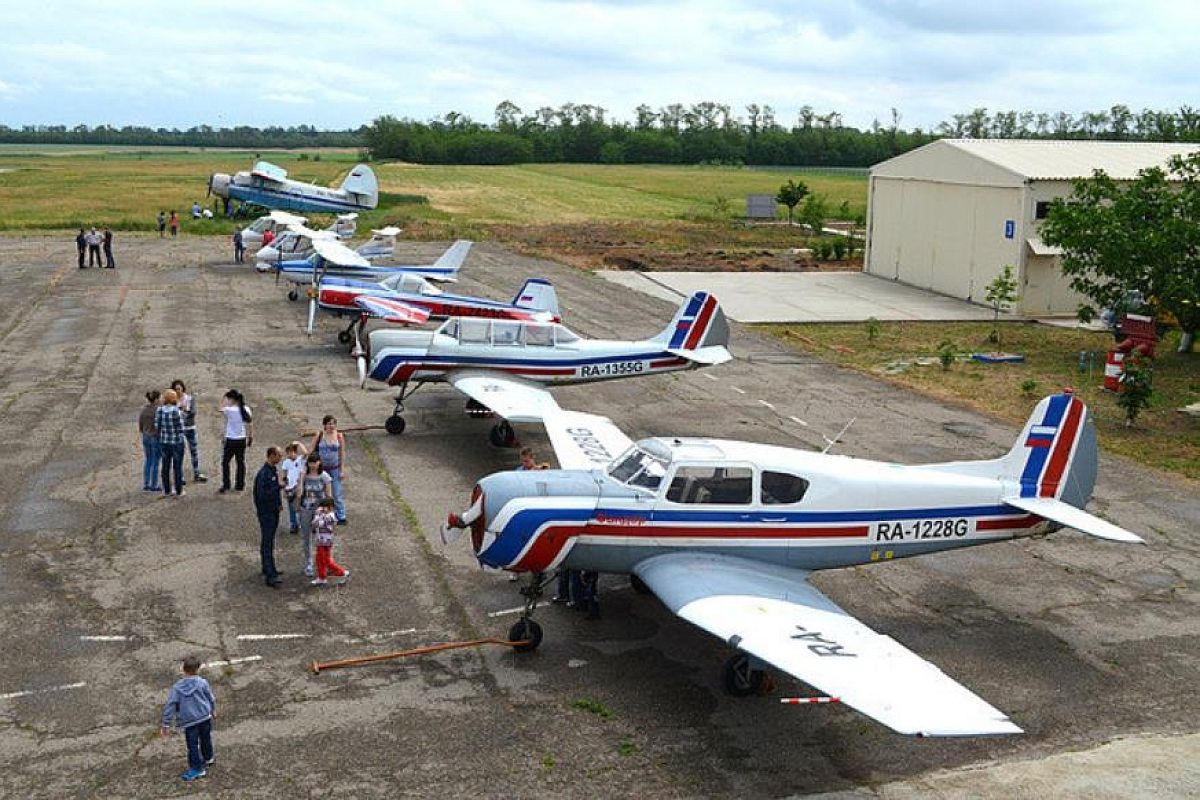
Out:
{"x": 89, "y": 244}
{"x": 165, "y": 222}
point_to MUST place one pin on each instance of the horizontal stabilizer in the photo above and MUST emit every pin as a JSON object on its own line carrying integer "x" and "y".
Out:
{"x": 392, "y": 310}
{"x": 713, "y": 354}
{"x": 1072, "y": 517}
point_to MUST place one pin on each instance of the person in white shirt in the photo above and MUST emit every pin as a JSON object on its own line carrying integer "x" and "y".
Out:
{"x": 239, "y": 434}
{"x": 293, "y": 467}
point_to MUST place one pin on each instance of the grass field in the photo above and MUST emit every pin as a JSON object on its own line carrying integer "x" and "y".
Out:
{"x": 62, "y": 187}
{"x": 1161, "y": 437}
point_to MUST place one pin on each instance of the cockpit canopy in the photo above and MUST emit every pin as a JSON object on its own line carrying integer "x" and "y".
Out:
{"x": 506, "y": 333}
{"x": 408, "y": 282}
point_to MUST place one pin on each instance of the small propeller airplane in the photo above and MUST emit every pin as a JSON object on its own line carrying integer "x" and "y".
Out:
{"x": 502, "y": 366}
{"x": 295, "y": 244}
{"x": 409, "y": 299}
{"x": 276, "y": 222}
{"x": 334, "y": 258}
{"x": 727, "y": 534}
{"x": 268, "y": 185}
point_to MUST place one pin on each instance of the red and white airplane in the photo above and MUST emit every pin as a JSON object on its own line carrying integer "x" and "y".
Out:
{"x": 727, "y": 533}
{"x": 504, "y": 366}
{"x": 410, "y": 299}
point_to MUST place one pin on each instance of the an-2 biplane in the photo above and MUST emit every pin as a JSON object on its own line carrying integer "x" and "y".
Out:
{"x": 268, "y": 185}
{"x": 727, "y": 533}
{"x": 504, "y": 366}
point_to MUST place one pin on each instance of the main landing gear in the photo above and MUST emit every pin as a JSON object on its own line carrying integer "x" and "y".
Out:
{"x": 501, "y": 434}
{"x": 525, "y": 629}
{"x": 742, "y": 675}
{"x": 347, "y": 336}
{"x": 293, "y": 295}
{"x": 395, "y": 424}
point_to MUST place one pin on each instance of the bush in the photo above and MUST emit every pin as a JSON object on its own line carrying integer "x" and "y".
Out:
{"x": 839, "y": 248}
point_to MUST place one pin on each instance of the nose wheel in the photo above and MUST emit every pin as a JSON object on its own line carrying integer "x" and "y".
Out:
{"x": 394, "y": 425}
{"x": 293, "y": 295}
{"x": 503, "y": 435}
{"x": 742, "y": 677}
{"x": 526, "y": 630}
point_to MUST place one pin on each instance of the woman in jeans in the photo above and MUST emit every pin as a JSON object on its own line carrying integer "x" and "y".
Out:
{"x": 152, "y": 455}
{"x": 169, "y": 424}
{"x": 330, "y": 445}
{"x": 314, "y": 487}
{"x": 239, "y": 434}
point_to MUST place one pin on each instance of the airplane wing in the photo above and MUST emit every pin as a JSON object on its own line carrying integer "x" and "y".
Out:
{"x": 773, "y": 613}
{"x": 268, "y": 171}
{"x": 335, "y": 252}
{"x": 584, "y": 441}
{"x": 515, "y": 399}
{"x": 1067, "y": 514}
{"x": 392, "y": 310}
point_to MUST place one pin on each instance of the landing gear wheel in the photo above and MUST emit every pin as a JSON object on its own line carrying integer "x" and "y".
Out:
{"x": 503, "y": 435}
{"x": 344, "y": 337}
{"x": 293, "y": 295}
{"x": 394, "y": 425}
{"x": 739, "y": 678}
{"x": 639, "y": 585}
{"x": 528, "y": 631}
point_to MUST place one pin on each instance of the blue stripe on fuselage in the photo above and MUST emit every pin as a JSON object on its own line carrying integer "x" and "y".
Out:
{"x": 290, "y": 202}
{"x": 1036, "y": 461}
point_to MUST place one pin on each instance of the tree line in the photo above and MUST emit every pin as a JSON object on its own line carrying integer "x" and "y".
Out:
{"x": 706, "y": 132}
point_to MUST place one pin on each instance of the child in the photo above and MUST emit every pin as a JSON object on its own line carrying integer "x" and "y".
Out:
{"x": 323, "y": 524}
{"x": 192, "y": 707}
{"x": 293, "y": 467}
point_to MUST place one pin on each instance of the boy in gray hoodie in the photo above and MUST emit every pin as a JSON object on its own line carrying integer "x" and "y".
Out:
{"x": 192, "y": 707}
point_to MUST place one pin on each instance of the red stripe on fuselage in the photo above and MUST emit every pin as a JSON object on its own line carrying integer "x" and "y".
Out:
{"x": 1027, "y": 521}
{"x": 551, "y": 540}
{"x": 668, "y": 362}
{"x": 701, "y": 325}
{"x": 408, "y": 368}
{"x": 1062, "y": 450}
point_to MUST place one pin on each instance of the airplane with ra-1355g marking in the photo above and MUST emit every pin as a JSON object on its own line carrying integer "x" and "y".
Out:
{"x": 727, "y": 533}
{"x": 268, "y": 185}
{"x": 504, "y": 366}
{"x": 408, "y": 299}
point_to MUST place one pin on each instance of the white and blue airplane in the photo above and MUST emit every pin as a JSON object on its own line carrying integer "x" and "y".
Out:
{"x": 505, "y": 366}
{"x": 295, "y": 243}
{"x": 728, "y": 533}
{"x": 268, "y": 185}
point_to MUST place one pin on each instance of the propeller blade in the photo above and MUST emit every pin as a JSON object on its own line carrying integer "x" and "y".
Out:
{"x": 450, "y": 535}
{"x": 208, "y": 194}
{"x": 362, "y": 372}
{"x": 312, "y": 314}
{"x": 360, "y": 356}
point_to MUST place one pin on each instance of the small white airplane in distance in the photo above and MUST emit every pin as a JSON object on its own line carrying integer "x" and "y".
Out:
{"x": 276, "y": 222}
{"x": 268, "y": 185}
{"x": 295, "y": 243}
{"x": 727, "y": 533}
{"x": 503, "y": 366}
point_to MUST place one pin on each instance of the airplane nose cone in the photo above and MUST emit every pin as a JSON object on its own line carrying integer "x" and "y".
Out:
{"x": 218, "y": 184}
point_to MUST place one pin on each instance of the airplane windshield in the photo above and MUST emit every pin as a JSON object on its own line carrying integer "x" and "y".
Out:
{"x": 639, "y": 468}
{"x": 260, "y": 225}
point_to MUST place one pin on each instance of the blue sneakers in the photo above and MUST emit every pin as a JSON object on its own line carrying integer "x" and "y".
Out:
{"x": 192, "y": 774}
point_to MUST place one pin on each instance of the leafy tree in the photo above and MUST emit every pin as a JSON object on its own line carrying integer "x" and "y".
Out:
{"x": 1137, "y": 387}
{"x": 1142, "y": 234}
{"x": 814, "y": 213}
{"x": 790, "y": 194}
{"x": 1000, "y": 293}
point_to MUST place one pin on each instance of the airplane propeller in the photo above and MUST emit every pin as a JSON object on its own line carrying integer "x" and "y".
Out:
{"x": 318, "y": 273}
{"x": 360, "y": 356}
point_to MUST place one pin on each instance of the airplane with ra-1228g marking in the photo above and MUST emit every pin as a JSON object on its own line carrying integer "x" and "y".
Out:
{"x": 268, "y": 185}
{"x": 408, "y": 299}
{"x": 503, "y": 367}
{"x": 727, "y": 533}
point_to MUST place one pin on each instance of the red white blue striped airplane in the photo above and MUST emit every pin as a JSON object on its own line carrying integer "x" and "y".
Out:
{"x": 503, "y": 366}
{"x": 727, "y": 533}
{"x": 408, "y": 299}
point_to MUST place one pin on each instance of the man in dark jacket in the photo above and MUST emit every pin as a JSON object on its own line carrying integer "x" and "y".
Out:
{"x": 267, "y": 503}
{"x": 108, "y": 256}
{"x": 81, "y": 243}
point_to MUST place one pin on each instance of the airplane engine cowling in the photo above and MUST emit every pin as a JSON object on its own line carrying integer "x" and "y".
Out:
{"x": 218, "y": 184}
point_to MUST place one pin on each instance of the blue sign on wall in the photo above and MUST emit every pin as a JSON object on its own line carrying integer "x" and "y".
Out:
{"x": 1010, "y": 228}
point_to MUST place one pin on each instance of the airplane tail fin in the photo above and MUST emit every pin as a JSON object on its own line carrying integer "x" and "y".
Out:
{"x": 537, "y": 295}
{"x": 452, "y": 260}
{"x": 699, "y": 331}
{"x": 361, "y": 182}
{"x": 1052, "y": 468}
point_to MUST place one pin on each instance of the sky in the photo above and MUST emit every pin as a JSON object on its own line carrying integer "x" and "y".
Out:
{"x": 339, "y": 65}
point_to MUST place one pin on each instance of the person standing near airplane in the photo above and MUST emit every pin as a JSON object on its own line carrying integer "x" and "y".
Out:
{"x": 187, "y": 407}
{"x": 169, "y": 424}
{"x": 239, "y": 247}
{"x": 108, "y": 256}
{"x": 173, "y": 222}
{"x": 151, "y": 453}
{"x": 81, "y": 243}
{"x": 314, "y": 487}
{"x": 162, "y": 224}
{"x": 93, "y": 244}
{"x": 239, "y": 434}
{"x": 267, "y": 503}
{"x": 330, "y": 445}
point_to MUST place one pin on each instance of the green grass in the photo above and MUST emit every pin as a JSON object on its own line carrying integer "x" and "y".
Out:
{"x": 65, "y": 187}
{"x": 1161, "y": 438}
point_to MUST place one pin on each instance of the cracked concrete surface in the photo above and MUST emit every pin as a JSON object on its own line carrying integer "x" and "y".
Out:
{"x": 1091, "y": 647}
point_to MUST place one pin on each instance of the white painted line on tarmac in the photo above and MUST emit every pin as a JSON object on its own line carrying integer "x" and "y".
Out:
{"x": 738, "y": 389}
{"x": 768, "y": 405}
{"x": 112, "y": 638}
{"x": 377, "y": 637}
{"x": 799, "y": 421}
{"x": 507, "y": 611}
{"x": 27, "y": 692}
{"x": 710, "y": 376}
{"x": 231, "y": 662}
{"x": 263, "y": 637}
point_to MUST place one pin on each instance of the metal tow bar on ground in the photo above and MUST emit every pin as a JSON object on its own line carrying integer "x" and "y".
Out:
{"x": 319, "y": 666}
{"x": 348, "y": 429}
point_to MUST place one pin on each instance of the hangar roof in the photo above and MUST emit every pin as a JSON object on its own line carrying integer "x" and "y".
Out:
{"x": 1031, "y": 159}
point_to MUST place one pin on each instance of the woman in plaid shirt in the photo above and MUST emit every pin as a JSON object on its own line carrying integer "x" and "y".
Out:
{"x": 169, "y": 423}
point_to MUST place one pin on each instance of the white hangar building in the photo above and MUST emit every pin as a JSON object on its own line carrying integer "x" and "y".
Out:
{"x": 948, "y": 216}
